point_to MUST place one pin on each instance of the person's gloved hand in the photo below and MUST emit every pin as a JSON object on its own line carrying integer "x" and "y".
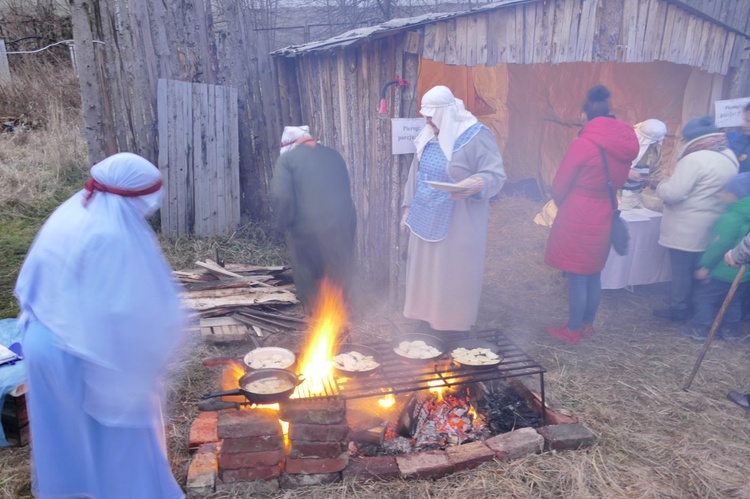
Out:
{"x": 729, "y": 259}
{"x": 404, "y": 227}
{"x": 471, "y": 185}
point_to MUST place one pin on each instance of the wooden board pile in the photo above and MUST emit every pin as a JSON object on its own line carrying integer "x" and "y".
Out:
{"x": 236, "y": 299}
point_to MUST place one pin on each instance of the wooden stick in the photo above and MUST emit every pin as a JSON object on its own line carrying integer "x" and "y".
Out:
{"x": 715, "y": 327}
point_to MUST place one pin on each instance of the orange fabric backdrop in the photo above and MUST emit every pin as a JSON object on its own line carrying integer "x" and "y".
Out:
{"x": 535, "y": 109}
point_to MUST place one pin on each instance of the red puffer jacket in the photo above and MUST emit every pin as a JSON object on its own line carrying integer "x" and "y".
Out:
{"x": 579, "y": 240}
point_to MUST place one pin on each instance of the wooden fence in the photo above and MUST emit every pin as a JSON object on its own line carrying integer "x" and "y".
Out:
{"x": 199, "y": 158}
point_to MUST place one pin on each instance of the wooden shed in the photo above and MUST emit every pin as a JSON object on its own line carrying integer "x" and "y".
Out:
{"x": 523, "y": 67}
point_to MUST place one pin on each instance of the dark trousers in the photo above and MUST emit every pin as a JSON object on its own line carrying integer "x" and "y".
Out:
{"x": 584, "y": 294}
{"x": 708, "y": 296}
{"x": 317, "y": 255}
{"x": 684, "y": 264}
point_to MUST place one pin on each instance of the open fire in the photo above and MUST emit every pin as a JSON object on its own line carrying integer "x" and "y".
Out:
{"x": 436, "y": 417}
{"x": 329, "y": 317}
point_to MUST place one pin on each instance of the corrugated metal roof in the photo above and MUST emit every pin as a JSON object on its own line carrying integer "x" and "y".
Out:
{"x": 360, "y": 34}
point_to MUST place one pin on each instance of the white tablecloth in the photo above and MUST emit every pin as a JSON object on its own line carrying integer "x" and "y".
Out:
{"x": 646, "y": 261}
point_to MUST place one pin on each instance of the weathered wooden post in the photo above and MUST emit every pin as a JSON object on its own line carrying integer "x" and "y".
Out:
{"x": 4, "y": 68}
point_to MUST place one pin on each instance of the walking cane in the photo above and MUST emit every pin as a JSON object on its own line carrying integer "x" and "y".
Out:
{"x": 714, "y": 327}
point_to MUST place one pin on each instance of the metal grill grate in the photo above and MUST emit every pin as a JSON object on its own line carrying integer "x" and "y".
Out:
{"x": 304, "y": 392}
{"x": 397, "y": 376}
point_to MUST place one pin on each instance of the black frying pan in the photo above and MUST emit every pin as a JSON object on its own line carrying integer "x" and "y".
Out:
{"x": 261, "y": 398}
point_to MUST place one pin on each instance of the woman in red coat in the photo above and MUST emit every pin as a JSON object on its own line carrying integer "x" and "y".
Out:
{"x": 579, "y": 241}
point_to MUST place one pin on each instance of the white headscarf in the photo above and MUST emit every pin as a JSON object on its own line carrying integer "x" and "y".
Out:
{"x": 448, "y": 114}
{"x": 291, "y": 135}
{"x": 648, "y": 132}
{"x": 95, "y": 276}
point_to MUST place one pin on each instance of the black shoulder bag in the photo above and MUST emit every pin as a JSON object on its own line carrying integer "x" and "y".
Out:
{"x": 619, "y": 235}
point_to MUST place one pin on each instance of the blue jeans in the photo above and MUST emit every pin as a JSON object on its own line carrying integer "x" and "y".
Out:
{"x": 684, "y": 264}
{"x": 584, "y": 294}
{"x": 708, "y": 296}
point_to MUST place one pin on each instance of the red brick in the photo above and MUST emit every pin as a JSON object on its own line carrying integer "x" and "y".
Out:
{"x": 249, "y": 423}
{"x": 318, "y": 432}
{"x": 296, "y": 481}
{"x": 250, "y": 474}
{"x": 250, "y": 459}
{"x": 567, "y": 436}
{"x": 516, "y": 443}
{"x": 252, "y": 444}
{"x": 313, "y": 412}
{"x": 471, "y": 455}
{"x": 201, "y": 477}
{"x": 427, "y": 464}
{"x": 372, "y": 468}
{"x": 529, "y": 388}
{"x": 300, "y": 448}
{"x": 204, "y": 429}
{"x": 312, "y": 466}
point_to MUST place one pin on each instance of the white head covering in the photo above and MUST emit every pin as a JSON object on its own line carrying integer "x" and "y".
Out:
{"x": 648, "y": 132}
{"x": 291, "y": 135}
{"x": 95, "y": 277}
{"x": 448, "y": 114}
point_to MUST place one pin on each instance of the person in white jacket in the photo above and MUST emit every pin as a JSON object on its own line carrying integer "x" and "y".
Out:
{"x": 692, "y": 204}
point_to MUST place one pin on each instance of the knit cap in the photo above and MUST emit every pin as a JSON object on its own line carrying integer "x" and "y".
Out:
{"x": 739, "y": 185}
{"x": 698, "y": 127}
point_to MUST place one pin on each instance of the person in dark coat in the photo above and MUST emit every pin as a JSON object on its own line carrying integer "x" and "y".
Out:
{"x": 311, "y": 201}
{"x": 579, "y": 241}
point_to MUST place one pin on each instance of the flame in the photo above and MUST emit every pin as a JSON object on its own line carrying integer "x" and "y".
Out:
{"x": 328, "y": 318}
{"x": 438, "y": 386}
{"x": 236, "y": 371}
{"x": 387, "y": 401}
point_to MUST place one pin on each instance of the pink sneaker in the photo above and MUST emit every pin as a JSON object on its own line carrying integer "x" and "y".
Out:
{"x": 587, "y": 330}
{"x": 564, "y": 333}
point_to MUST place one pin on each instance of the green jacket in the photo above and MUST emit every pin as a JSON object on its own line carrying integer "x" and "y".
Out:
{"x": 729, "y": 231}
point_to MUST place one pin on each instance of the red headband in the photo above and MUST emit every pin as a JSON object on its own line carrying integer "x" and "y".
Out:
{"x": 92, "y": 185}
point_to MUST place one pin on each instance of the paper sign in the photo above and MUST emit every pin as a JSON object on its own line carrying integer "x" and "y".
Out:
{"x": 729, "y": 112}
{"x": 403, "y": 133}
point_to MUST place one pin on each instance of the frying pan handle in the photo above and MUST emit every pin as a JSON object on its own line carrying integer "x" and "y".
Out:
{"x": 300, "y": 380}
{"x": 236, "y": 391}
{"x": 218, "y": 361}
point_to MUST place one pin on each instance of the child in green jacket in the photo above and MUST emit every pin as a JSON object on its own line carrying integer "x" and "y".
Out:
{"x": 714, "y": 275}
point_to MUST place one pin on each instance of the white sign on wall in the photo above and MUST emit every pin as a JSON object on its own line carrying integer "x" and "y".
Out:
{"x": 403, "y": 133}
{"x": 729, "y": 112}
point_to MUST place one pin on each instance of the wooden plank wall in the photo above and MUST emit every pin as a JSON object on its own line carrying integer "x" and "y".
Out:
{"x": 144, "y": 40}
{"x": 244, "y": 63}
{"x": 339, "y": 92}
{"x": 735, "y": 13}
{"x": 199, "y": 158}
{"x": 582, "y": 30}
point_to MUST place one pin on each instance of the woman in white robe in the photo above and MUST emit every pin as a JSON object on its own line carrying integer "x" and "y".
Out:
{"x": 102, "y": 318}
{"x": 448, "y": 230}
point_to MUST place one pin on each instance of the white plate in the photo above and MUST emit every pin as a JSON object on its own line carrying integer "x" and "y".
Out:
{"x": 270, "y": 357}
{"x": 445, "y": 186}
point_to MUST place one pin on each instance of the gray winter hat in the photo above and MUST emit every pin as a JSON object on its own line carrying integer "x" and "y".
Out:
{"x": 698, "y": 127}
